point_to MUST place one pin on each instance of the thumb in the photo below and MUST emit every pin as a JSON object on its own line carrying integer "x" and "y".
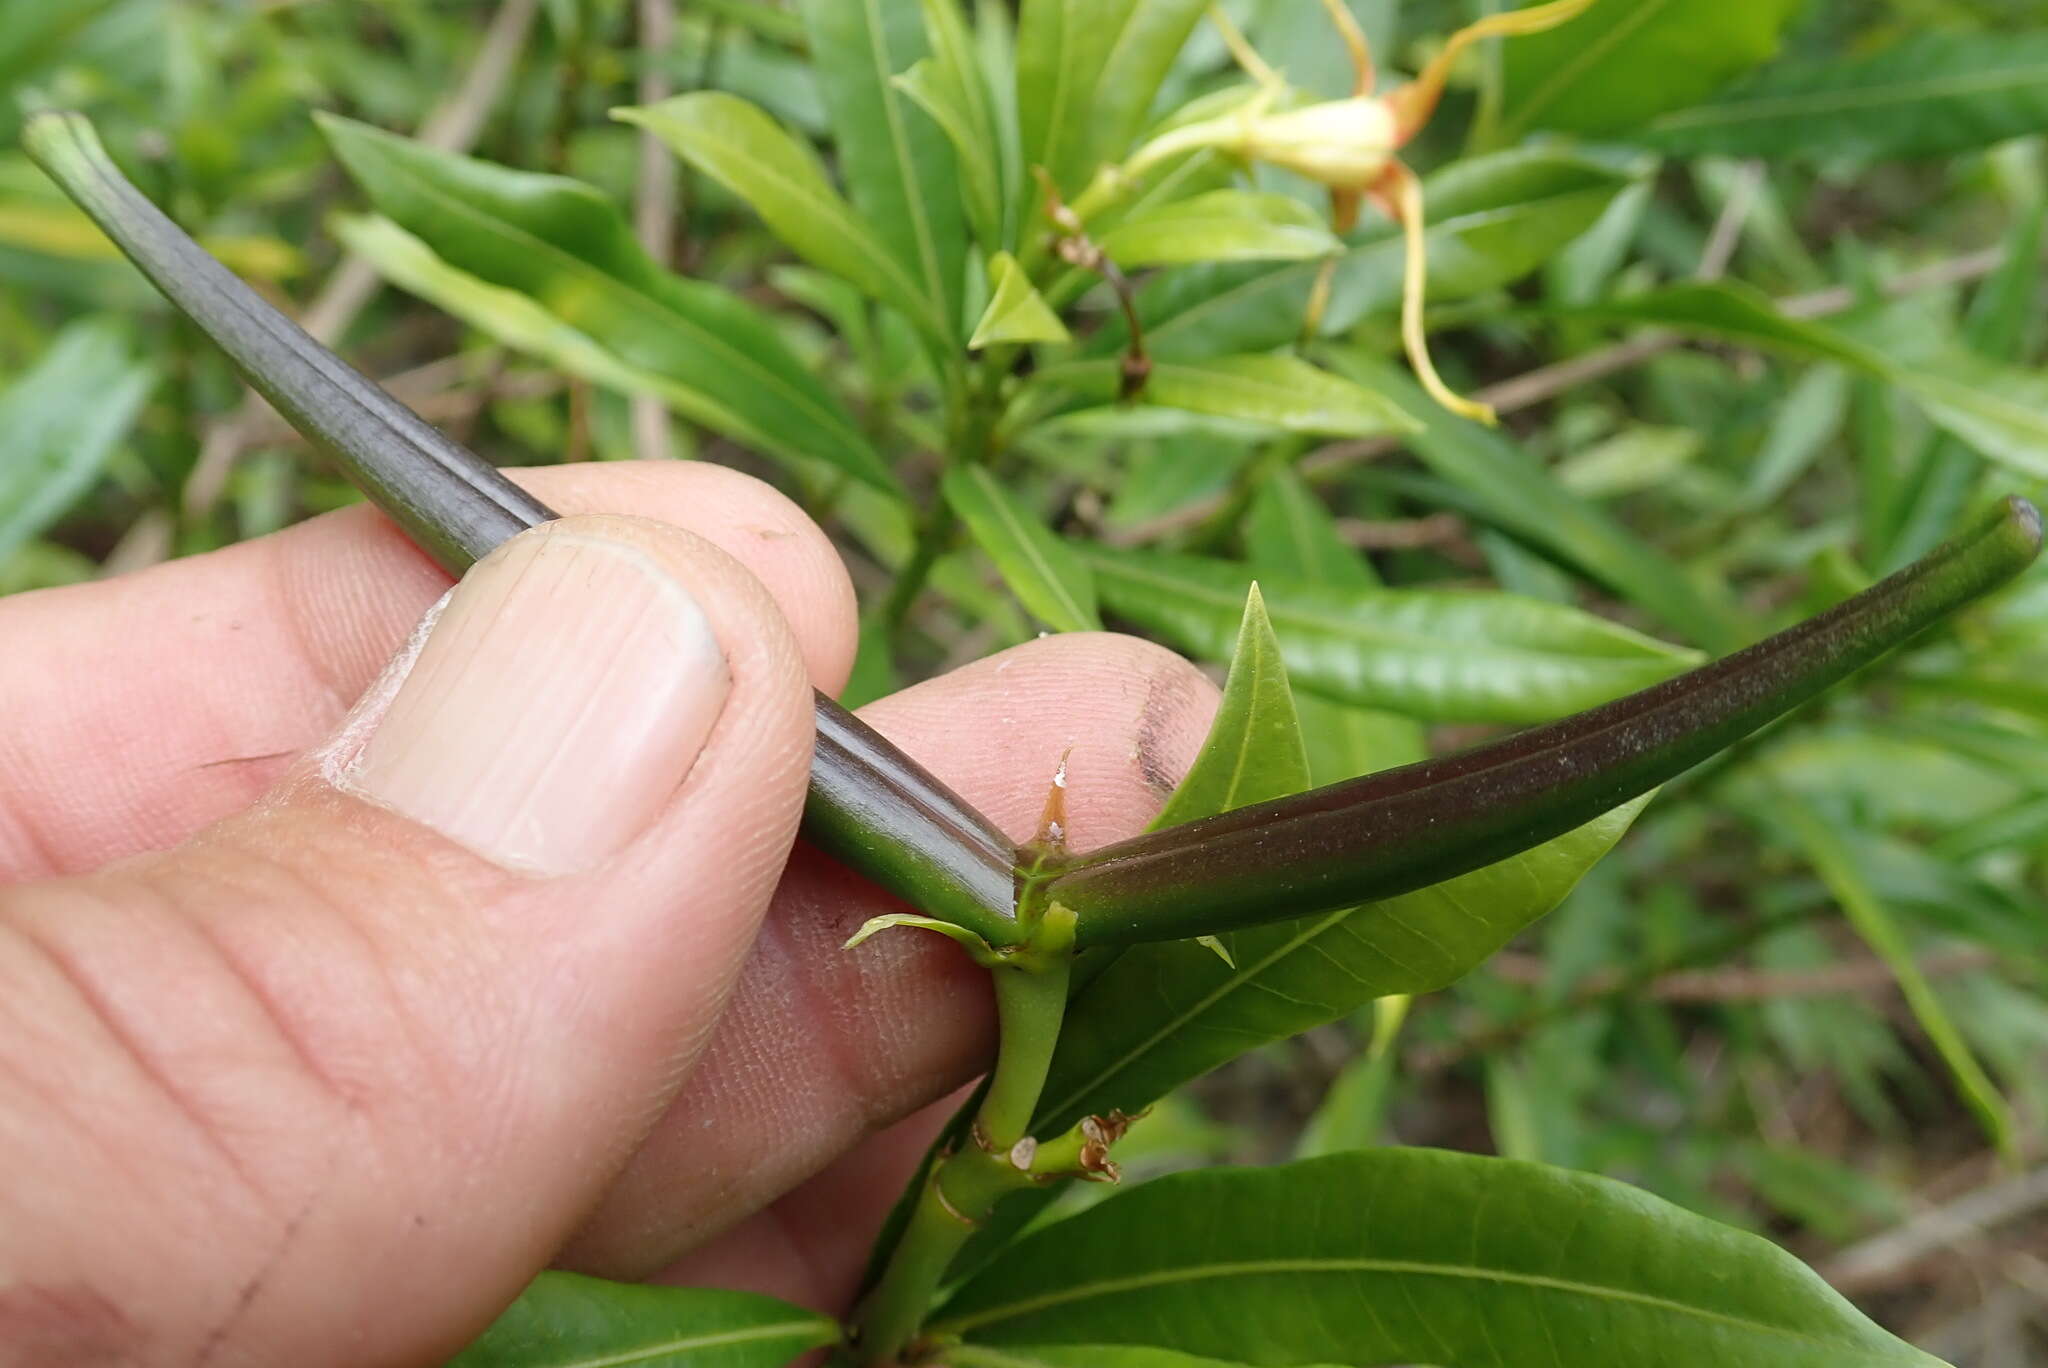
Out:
{"x": 330, "y": 1082}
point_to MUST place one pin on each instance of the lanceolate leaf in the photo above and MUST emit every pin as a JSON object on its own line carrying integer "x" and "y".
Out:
{"x": 1054, "y": 584}
{"x": 2000, "y": 410}
{"x": 567, "y": 247}
{"x": 61, "y": 421}
{"x": 1416, "y": 1256}
{"x": 952, "y": 87}
{"x": 1087, "y": 71}
{"x": 1512, "y": 490}
{"x": 1492, "y": 220}
{"x": 1407, "y": 828}
{"x": 1625, "y": 61}
{"x": 934, "y": 89}
{"x": 1429, "y": 653}
{"x": 1076, "y": 1356}
{"x": 1223, "y": 225}
{"x": 741, "y": 147}
{"x": 518, "y": 320}
{"x": 1875, "y": 923}
{"x": 565, "y": 1320}
{"x": 1931, "y": 94}
{"x": 1253, "y": 751}
{"x": 1289, "y": 533}
{"x": 1999, "y": 327}
{"x": 1283, "y": 393}
{"x": 1160, "y": 1015}
{"x": 895, "y": 160}
{"x": 1016, "y": 311}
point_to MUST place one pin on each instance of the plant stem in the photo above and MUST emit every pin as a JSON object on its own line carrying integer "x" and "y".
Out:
{"x": 1029, "y": 1008}
{"x": 977, "y": 407}
{"x": 933, "y": 532}
{"x": 963, "y": 1187}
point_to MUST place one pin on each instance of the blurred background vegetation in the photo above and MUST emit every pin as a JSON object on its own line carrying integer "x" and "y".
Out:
{"x": 1807, "y": 995}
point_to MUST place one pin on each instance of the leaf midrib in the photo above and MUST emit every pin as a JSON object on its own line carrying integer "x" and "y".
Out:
{"x": 1737, "y": 110}
{"x": 1248, "y": 1268}
{"x": 1021, "y": 537}
{"x": 1294, "y": 614}
{"x": 826, "y": 203}
{"x": 1337, "y": 397}
{"x": 723, "y": 1339}
{"x": 633, "y": 298}
{"x": 899, "y": 146}
{"x": 1962, "y": 394}
{"x": 1593, "y": 53}
{"x": 1238, "y": 978}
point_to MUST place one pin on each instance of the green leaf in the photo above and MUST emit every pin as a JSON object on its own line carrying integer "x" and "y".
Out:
{"x": 895, "y": 160}
{"x": 1811, "y": 416}
{"x": 1873, "y": 921}
{"x": 1401, "y": 1256}
{"x": 1164, "y": 1013}
{"x": 936, "y": 90}
{"x": 1353, "y": 1112}
{"x": 1087, "y": 72}
{"x": 1492, "y": 220}
{"x": 1438, "y": 654}
{"x": 2000, "y": 410}
{"x": 1223, "y": 225}
{"x": 567, "y": 247}
{"x": 1623, "y": 62}
{"x": 1737, "y": 312}
{"x": 516, "y": 319}
{"x": 1077, "y": 1356}
{"x": 1638, "y": 457}
{"x": 62, "y": 421}
{"x": 1016, "y": 312}
{"x": 32, "y": 34}
{"x": 1253, "y": 751}
{"x": 565, "y": 1320}
{"x": 1288, "y": 532}
{"x": 1283, "y": 393}
{"x": 1929, "y": 95}
{"x": 1998, "y": 327}
{"x": 740, "y": 146}
{"x": 952, "y": 87}
{"x": 1043, "y": 572}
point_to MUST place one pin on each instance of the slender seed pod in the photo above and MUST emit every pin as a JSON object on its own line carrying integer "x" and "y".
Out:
{"x": 870, "y": 804}
{"x": 884, "y": 815}
{"x": 1403, "y": 829}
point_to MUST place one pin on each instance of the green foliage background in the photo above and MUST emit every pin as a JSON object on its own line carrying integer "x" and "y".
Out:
{"x": 1759, "y": 285}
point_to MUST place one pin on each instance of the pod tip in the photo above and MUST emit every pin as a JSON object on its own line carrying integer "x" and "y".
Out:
{"x": 2024, "y": 520}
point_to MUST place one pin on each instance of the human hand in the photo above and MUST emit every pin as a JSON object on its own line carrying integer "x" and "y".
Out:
{"x": 321, "y": 1032}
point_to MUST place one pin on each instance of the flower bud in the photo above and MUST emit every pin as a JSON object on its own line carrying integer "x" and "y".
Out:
{"x": 1345, "y": 144}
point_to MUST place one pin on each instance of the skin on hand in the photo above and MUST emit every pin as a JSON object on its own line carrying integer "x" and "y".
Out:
{"x": 320, "y": 1087}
